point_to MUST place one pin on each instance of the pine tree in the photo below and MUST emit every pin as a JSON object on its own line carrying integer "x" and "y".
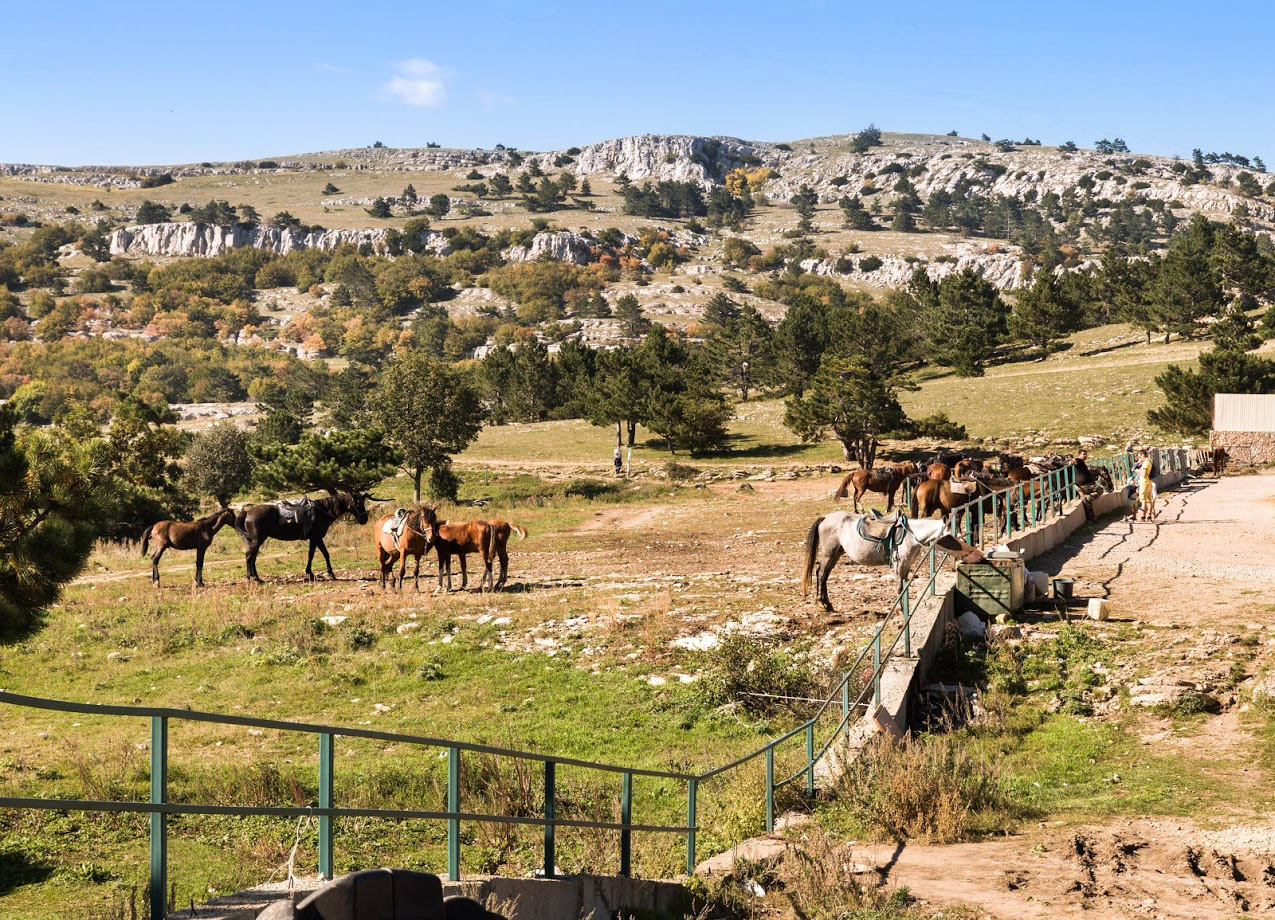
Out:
{"x": 501, "y": 187}
{"x": 330, "y": 189}
{"x": 585, "y": 189}
{"x": 1187, "y": 286}
{"x": 380, "y": 208}
{"x": 742, "y": 351}
{"x": 629, "y": 312}
{"x": 805, "y": 202}
{"x": 720, "y": 310}
{"x": 1043, "y": 313}
{"x": 857, "y": 216}
{"x": 965, "y": 322}
{"x": 354, "y": 460}
{"x": 439, "y": 205}
{"x": 850, "y": 399}
{"x": 409, "y": 196}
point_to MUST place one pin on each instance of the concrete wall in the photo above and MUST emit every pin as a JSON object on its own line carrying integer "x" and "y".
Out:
{"x": 1255, "y": 447}
{"x": 582, "y": 897}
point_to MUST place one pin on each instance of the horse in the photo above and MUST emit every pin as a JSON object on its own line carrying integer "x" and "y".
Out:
{"x": 937, "y": 471}
{"x": 896, "y": 543}
{"x": 258, "y": 523}
{"x": 945, "y": 497}
{"x": 460, "y": 539}
{"x": 197, "y": 535}
{"x": 1219, "y": 457}
{"x": 413, "y": 540}
{"x": 885, "y": 480}
{"x": 965, "y": 466}
{"x": 500, "y": 531}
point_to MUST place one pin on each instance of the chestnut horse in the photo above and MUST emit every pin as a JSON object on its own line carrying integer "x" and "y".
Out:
{"x": 460, "y": 539}
{"x": 197, "y": 535}
{"x": 500, "y": 531}
{"x": 934, "y": 495}
{"x": 413, "y": 540}
{"x": 937, "y": 472}
{"x": 885, "y": 480}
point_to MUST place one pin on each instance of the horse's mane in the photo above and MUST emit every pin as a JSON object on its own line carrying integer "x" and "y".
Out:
{"x": 210, "y": 517}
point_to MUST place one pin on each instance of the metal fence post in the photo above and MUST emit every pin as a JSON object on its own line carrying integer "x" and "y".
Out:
{"x": 159, "y": 821}
{"x": 326, "y": 764}
{"x": 930, "y": 557}
{"x": 550, "y": 793}
{"x": 453, "y": 806}
{"x": 876, "y": 668}
{"x": 845, "y": 702}
{"x": 770, "y": 788}
{"x": 626, "y": 818}
{"x": 905, "y": 603}
{"x": 691, "y": 788}
{"x": 810, "y": 759}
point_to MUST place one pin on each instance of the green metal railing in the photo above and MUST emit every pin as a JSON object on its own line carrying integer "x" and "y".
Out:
{"x": 1037, "y": 500}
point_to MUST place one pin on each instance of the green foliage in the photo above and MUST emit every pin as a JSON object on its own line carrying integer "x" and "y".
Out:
{"x": 439, "y": 205}
{"x": 805, "y": 201}
{"x": 964, "y": 318}
{"x": 866, "y": 139}
{"x": 1187, "y": 287}
{"x": 1188, "y": 394}
{"x": 353, "y": 461}
{"x": 444, "y": 484}
{"x": 856, "y": 215}
{"x": 218, "y": 463}
{"x": 427, "y": 411}
{"x": 751, "y": 673}
{"x": 852, "y": 399}
{"x": 666, "y": 198}
{"x": 629, "y": 312}
{"x": 742, "y": 348}
{"x": 540, "y": 289}
{"x": 150, "y": 212}
{"x": 1043, "y": 313}
{"x": 380, "y": 209}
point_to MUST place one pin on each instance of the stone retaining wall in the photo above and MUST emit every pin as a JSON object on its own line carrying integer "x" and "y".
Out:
{"x": 1255, "y": 447}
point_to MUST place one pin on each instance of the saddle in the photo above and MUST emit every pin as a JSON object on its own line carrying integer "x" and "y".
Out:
{"x": 962, "y": 487}
{"x": 396, "y": 525}
{"x": 889, "y": 532}
{"x": 885, "y": 472}
{"x": 301, "y": 513}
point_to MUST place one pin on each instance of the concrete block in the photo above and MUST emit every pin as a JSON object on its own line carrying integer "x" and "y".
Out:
{"x": 1099, "y": 608}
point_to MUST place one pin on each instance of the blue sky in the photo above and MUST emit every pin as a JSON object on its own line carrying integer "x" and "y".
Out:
{"x": 148, "y": 82}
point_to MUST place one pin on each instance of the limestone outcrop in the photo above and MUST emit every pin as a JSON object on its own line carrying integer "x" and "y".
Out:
{"x": 190, "y": 239}
{"x": 560, "y": 245}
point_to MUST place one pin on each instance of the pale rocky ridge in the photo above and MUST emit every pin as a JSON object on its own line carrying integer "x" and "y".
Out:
{"x": 187, "y": 239}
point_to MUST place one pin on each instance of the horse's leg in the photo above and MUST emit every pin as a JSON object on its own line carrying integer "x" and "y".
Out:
{"x": 327, "y": 560}
{"x": 159, "y": 551}
{"x": 858, "y": 493}
{"x": 889, "y": 495}
{"x": 402, "y": 567}
{"x": 199, "y": 565}
{"x": 464, "y": 573}
{"x": 250, "y": 559}
{"x": 418, "y": 574}
{"x": 504, "y": 566}
{"x": 827, "y": 562}
{"x": 309, "y": 563}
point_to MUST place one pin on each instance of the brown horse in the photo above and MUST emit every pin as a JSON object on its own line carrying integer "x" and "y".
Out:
{"x": 500, "y": 531}
{"x": 197, "y": 535}
{"x": 935, "y": 495}
{"x": 885, "y": 480}
{"x": 413, "y": 540}
{"x": 937, "y": 472}
{"x": 460, "y": 539}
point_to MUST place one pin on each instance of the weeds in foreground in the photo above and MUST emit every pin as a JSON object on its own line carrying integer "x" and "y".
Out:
{"x": 933, "y": 787}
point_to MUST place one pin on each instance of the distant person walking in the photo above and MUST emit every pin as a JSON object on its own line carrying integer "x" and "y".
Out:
{"x": 1144, "y": 487}
{"x": 619, "y": 461}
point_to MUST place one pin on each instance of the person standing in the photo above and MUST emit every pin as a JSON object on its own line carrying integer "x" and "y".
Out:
{"x": 1144, "y": 484}
{"x": 619, "y": 460}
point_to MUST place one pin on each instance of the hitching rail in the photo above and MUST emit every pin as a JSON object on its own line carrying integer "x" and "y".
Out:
{"x": 1022, "y": 506}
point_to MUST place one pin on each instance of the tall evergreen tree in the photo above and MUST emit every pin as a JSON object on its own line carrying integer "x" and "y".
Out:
{"x": 852, "y": 400}
{"x": 1043, "y": 313}
{"x": 742, "y": 351}
{"x": 1187, "y": 286}
{"x": 966, "y": 321}
{"x": 857, "y": 216}
{"x": 805, "y": 201}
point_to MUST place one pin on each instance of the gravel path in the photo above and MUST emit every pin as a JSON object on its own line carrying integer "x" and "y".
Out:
{"x": 1208, "y": 557}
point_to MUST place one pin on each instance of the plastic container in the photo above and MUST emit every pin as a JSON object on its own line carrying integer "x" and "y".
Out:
{"x": 1063, "y": 588}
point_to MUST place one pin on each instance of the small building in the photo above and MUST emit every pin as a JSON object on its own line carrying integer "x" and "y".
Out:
{"x": 1244, "y": 426}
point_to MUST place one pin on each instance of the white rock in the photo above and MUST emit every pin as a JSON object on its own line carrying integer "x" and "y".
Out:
{"x": 656, "y": 681}
{"x": 404, "y": 628}
{"x": 334, "y": 619}
{"x": 968, "y": 624}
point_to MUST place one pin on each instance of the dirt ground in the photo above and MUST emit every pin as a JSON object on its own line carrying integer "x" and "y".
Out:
{"x": 1194, "y": 579}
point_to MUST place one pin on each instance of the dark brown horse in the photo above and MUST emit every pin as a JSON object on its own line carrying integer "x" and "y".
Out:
{"x": 945, "y": 497}
{"x": 885, "y": 480}
{"x": 460, "y": 539}
{"x": 413, "y": 540}
{"x": 258, "y": 523}
{"x": 197, "y": 535}
{"x": 500, "y": 531}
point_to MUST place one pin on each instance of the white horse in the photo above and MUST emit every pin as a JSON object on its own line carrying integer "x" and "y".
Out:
{"x": 896, "y": 542}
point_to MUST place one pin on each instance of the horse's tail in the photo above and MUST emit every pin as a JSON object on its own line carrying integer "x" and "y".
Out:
{"x": 844, "y": 489}
{"x": 914, "y": 507}
{"x": 520, "y": 531}
{"x": 812, "y": 553}
{"x": 238, "y": 523}
{"x": 146, "y": 540}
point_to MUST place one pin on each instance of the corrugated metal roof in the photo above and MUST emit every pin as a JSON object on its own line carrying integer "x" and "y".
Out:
{"x": 1243, "y": 412}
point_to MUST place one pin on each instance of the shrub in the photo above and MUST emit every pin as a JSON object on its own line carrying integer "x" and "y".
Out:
{"x": 939, "y": 427}
{"x": 869, "y": 264}
{"x": 741, "y": 667}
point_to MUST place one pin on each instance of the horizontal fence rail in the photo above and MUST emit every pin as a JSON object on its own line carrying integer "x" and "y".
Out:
{"x": 1013, "y": 509}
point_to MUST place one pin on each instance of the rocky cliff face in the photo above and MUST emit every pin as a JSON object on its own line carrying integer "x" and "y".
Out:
{"x": 187, "y": 239}
{"x": 667, "y": 156}
{"x": 561, "y": 246}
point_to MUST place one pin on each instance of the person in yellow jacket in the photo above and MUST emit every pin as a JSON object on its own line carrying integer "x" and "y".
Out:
{"x": 1144, "y": 487}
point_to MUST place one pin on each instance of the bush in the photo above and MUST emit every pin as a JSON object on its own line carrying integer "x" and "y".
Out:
{"x": 741, "y": 667}
{"x": 444, "y": 484}
{"x": 939, "y": 427}
{"x": 93, "y": 281}
{"x": 870, "y": 264}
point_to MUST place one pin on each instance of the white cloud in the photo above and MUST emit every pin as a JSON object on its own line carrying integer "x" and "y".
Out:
{"x": 418, "y": 82}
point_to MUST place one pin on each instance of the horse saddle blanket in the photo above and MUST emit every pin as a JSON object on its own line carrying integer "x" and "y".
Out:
{"x": 301, "y": 513}
{"x": 878, "y": 528}
{"x": 395, "y": 525}
{"x": 962, "y": 488}
{"x": 886, "y": 473}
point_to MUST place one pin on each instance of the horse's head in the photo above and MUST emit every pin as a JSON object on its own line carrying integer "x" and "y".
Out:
{"x": 358, "y": 505}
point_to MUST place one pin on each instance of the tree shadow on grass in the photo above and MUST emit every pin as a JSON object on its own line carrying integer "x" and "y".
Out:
{"x": 738, "y": 447}
{"x": 17, "y": 869}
